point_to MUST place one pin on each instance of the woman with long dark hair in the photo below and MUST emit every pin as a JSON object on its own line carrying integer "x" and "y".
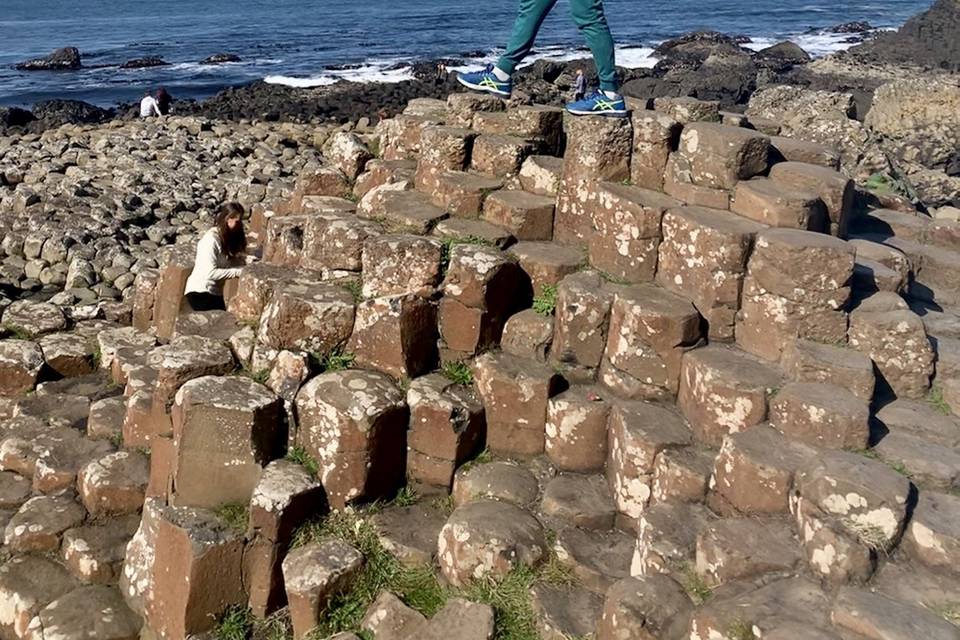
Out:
{"x": 219, "y": 252}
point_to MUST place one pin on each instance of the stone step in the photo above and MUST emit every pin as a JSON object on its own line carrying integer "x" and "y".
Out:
{"x": 462, "y": 194}
{"x": 540, "y": 175}
{"x": 404, "y": 211}
{"x": 779, "y": 205}
{"x": 500, "y": 155}
{"x": 547, "y": 263}
{"x": 466, "y": 230}
{"x": 834, "y": 188}
{"x": 525, "y": 215}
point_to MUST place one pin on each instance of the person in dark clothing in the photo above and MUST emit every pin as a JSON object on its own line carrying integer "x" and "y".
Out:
{"x": 580, "y": 86}
{"x": 164, "y": 100}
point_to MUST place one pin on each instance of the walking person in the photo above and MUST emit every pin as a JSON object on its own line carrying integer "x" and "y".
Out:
{"x": 580, "y": 86}
{"x": 592, "y": 23}
{"x": 219, "y": 253}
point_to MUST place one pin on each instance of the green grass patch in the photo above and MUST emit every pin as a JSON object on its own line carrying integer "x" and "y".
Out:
{"x": 116, "y": 439}
{"x": 274, "y": 627}
{"x": 443, "y": 504}
{"x": 374, "y": 146}
{"x": 96, "y": 358}
{"x": 481, "y": 458}
{"x": 545, "y": 303}
{"x": 334, "y": 360}
{"x": 935, "y": 398}
{"x": 611, "y": 278}
{"x": 17, "y": 332}
{"x": 302, "y": 457}
{"x": 740, "y": 630}
{"x": 259, "y": 377}
{"x": 235, "y": 515}
{"x": 416, "y": 586}
{"x": 355, "y": 287}
{"x": 869, "y": 453}
{"x": 406, "y": 497}
{"x": 447, "y": 245}
{"x": 949, "y": 611}
{"x": 236, "y": 623}
{"x": 884, "y": 184}
{"x": 698, "y": 590}
{"x": 458, "y": 371}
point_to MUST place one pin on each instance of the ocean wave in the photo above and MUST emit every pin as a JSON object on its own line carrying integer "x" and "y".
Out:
{"x": 379, "y": 71}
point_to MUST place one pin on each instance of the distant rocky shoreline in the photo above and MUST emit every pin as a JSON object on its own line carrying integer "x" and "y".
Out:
{"x": 683, "y": 69}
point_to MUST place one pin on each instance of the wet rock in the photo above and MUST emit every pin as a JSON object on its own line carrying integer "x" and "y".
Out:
{"x": 144, "y": 63}
{"x": 65, "y": 59}
{"x": 597, "y": 559}
{"x": 565, "y": 612}
{"x": 221, "y": 58}
{"x": 410, "y": 533}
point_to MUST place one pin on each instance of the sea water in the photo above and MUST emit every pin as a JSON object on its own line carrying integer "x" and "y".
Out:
{"x": 316, "y": 42}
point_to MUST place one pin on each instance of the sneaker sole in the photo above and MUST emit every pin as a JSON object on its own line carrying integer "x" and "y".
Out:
{"x": 607, "y": 114}
{"x": 476, "y": 87}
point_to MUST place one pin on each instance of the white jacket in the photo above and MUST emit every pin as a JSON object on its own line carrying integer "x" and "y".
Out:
{"x": 209, "y": 271}
{"x": 149, "y": 107}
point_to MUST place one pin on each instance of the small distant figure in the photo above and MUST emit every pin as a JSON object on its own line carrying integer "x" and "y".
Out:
{"x": 580, "y": 86}
{"x": 219, "y": 253}
{"x": 149, "y": 106}
{"x": 441, "y": 74}
{"x": 164, "y": 100}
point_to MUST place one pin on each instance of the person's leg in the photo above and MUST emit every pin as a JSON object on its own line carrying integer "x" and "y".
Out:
{"x": 205, "y": 302}
{"x": 590, "y": 19}
{"x": 529, "y": 19}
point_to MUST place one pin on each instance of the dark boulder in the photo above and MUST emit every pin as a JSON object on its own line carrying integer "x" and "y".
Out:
{"x": 701, "y": 43}
{"x": 727, "y": 78}
{"x": 858, "y": 26}
{"x": 65, "y": 59}
{"x": 53, "y": 113}
{"x": 15, "y": 117}
{"x": 929, "y": 39}
{"x": 781, "y": 56}
{"x": 143, "y": 63}
{"x": 221, "y": 58}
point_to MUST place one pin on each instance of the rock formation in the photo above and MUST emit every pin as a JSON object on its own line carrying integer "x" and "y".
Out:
{"x": 688, "y": 365}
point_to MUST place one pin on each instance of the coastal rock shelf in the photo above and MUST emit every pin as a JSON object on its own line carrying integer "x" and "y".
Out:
{"x": 499, "y": 370}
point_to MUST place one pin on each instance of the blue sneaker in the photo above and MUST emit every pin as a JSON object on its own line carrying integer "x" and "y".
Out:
{"x": 599, "y": 104}
{"x": 486, "y": 81}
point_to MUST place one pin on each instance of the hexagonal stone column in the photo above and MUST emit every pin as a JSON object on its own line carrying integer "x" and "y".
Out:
{"x": 225, "y": 429}
{"x": 354, "y": 424}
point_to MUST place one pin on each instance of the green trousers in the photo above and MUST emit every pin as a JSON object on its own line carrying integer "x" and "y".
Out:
{"x": 589, "y": 18}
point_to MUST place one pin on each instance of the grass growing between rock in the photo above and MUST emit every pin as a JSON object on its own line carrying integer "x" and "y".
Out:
{"x": 235, "y": 515}
{"x": 545, "y": 303}
{"x": 17, "y": 333}
{"x": 740, "y": 630}
{"x": 355, "y": 287}
{"x": 300, "y": 455}
{"x": 260, "y": 377}
{"x": 698, "y": 590}
{"x": 949, "y": 611}
{"x": 458, "y": 372}
{"x": 334, "y": 360}
{"x": 935, "y": 398}
{"x": 447, "y": 245}
{"x": 420, "y": 587}
{"x": 235, "y": 624}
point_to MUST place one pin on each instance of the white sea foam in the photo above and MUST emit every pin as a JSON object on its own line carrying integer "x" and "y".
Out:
{"x": 372, "y": 71}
